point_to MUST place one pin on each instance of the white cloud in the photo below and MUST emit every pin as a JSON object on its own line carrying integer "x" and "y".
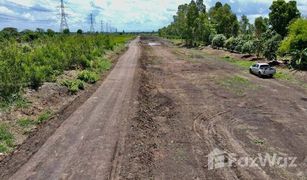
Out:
{"x": 124, "y": 14}
{"x": 6, "y": 11}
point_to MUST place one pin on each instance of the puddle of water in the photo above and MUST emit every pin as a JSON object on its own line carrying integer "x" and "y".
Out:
{"x": 154, "y": 44}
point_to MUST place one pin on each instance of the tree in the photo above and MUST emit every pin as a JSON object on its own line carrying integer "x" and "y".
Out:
{"x": 224, "y": 19}
{"x": 50, "y": 32}
{"x": 296, "y": 44}
{"x": 66, "y": 31}
{"x": 282, "y": 13}
{"x": 271, "y": 45}
{"x": 192, "y": 15}
{"x": 79, "y": 31}
{"x": 218, "y": 41}
{"x": 261, "y": 26}
{"x": 10, "y": 31}
{"x": 244, "y": 24}
{"x": 201, "y": 6}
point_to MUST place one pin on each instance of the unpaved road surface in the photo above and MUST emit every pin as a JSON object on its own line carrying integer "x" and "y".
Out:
{"x": 191, "y": 104}
{"x": 162, "y": 119}
{"x": 85, "y": 146}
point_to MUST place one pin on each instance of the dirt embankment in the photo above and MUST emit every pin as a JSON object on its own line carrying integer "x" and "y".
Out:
{"x": 191, "y": 105}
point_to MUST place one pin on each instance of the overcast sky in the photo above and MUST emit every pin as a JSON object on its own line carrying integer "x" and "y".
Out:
{"x": 128, "y": 15}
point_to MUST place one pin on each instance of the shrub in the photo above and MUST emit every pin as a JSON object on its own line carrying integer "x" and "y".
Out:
{"x": 218, "y": 41}
{"x": 271, "y": 47}
{"x": 74, "y": 85}
{"x": 248, "y": 47}
{"x": 295, "y": 43}
{"x": 88, "y": 76}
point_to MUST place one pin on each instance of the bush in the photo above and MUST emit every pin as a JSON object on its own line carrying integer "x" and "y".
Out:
{"x": 74, "y": 85}
{"x": 295, "y": 43}
{"x": 271, "y": 47}
{"x": 44, "y": 58}
{"x": 248, "y": 47}
{"x": 88, "y": 76}
{"x": 218, "y": 41}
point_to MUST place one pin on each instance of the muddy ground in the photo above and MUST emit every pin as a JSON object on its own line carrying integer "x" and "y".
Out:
{"x": 192, "y": 105}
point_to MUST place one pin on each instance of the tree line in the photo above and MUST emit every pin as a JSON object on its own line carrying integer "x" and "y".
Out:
{"x": 283, "y": 33}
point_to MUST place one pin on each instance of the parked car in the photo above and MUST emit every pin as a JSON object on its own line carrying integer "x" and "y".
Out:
{"x": 262, "y": 69}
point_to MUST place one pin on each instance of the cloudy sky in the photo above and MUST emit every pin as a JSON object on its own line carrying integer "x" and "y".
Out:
{"x": 128, "y": 15}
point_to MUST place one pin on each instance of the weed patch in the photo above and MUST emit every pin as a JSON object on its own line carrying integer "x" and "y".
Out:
{"x": 43, "y": 117}
{"x": 236, "y": 84}
{"x": 6, "y": 139}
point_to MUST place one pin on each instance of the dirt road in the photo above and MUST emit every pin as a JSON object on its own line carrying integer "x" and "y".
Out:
{"x": 192, "y": 104}
{"x": 85, "y": 146}
{"x": 163, "y": 119}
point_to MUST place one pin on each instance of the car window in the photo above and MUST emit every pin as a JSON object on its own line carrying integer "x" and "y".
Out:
{"x": 264, "y": 66}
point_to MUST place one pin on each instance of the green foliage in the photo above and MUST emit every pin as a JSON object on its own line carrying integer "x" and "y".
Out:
{"x": 74, "y": 85}
{"x": 248, "y": 47}
{"x": 6, "y": 139}
{"x": 295, "y": 44}
{"x": 271, "y": 46}
{"x": 218, "y": 41}
{"x": 231, "y": 44}
{"x": 25, "y": 122}
{"x": 79, "y": 31}
{"x": 261, "y": 26}
{"x": 44, "y": 117}
{"x": 42, "y": 58}
{"x": 282, "y": 13}
{"x": 88, "y": 76}
{"x": 66, "y": 31}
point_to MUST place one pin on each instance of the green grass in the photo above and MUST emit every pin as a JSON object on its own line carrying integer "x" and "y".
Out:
{"x": 6, "y": 139}
{"x": 44, "y": 117}
{"x": 259, "y": 141}
{"x": 236, "y": 84}
{"x": 239, "y": 63}
{"x": 13, "y": 101}
{"x": 284, "y": 75}
{"x": 25, "y": 122}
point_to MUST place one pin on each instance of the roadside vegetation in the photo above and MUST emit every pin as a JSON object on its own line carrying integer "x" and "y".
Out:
{"x": 281, "y": 36}
{"x": 29, "y": 59}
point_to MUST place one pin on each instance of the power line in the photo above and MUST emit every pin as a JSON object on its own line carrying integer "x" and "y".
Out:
{"x": 92, "y": 29}
{"x": 63, "y": 24}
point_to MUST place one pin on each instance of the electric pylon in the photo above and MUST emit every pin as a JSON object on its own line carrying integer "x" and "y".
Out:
{"x": 64, "y": 24}
{"x": 92, "y": 29}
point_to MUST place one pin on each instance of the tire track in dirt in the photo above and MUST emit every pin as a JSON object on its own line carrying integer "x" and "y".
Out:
{"x": 205, "y": 116}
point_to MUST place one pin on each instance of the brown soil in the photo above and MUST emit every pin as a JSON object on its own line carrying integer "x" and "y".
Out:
{"x": 185, "y": 112}
{"x": 186, "y": 107}
{"x": 50, "y": 97}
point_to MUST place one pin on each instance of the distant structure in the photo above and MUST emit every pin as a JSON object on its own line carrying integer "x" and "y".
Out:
{"x": 101, "y": 26}
{"x": 92, "y": 29}
{"x": 64, "y": 24}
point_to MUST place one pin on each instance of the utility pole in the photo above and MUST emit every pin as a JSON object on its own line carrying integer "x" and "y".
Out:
{"x": 107, "y": 27}
{"x": 92, "y": 29}
{"x": 63, "y": 24}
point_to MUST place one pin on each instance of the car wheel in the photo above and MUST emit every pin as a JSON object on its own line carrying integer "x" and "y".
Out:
{"x": 259, "y": 74}
{"x": 250, "y": 71}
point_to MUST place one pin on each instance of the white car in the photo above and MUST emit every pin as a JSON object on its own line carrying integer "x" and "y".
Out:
{"x": 262, "y": 69}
